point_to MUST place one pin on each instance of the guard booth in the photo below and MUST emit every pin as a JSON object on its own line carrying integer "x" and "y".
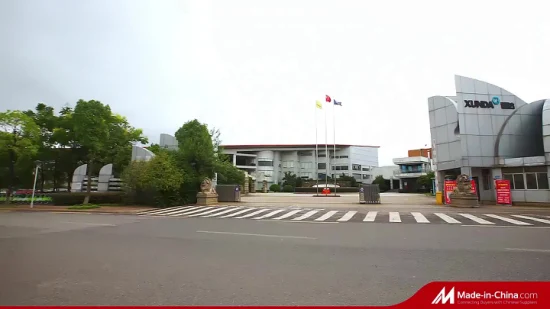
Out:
{"x": 369, "y": 194}
{"x": 228, "y": 193}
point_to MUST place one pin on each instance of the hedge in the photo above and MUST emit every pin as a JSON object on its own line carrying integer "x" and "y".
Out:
{"x": 75, "y": 198}
{"x": 288, "y": 188}
{"x": 314, "y": 190}
{"x": 275, "y": 188}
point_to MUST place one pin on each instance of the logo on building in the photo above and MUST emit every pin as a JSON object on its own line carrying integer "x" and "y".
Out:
{"x": 489, "y": 104}
{"x": 444, "y": 298}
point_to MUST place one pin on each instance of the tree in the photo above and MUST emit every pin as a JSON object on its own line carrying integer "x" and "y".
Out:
{"x": 196, "y": 151}
{"x": 228, "y": 173}
{"x": 19, "y": 137}
{"x": 292, "y": 180}
{"x": 425, "y": 181}
{"x": 381, "y": 182}
{"x": 92, "y": 129}
{"x": 122, "y": 135}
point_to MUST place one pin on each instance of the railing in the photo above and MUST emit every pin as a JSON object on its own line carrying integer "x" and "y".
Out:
{"x": 413, "y": 171}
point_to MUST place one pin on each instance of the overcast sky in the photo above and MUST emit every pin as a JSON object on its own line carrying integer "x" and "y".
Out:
{"x": 255, "y": 68}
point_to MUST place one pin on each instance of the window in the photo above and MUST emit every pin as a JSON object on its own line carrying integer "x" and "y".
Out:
{"x": 305, "y": 153}
{"x": 306, "y": 175}
{"x": 366, "y": 169}
{"x": 306, "y": 165}
{"x": 321, "y": 166}
{"x": 288, "y": 164}
{"x": 530, "y": 178}
{"x": 265, "y": 163}
{"x": 340, "y": 167}
{"x": 356, "y": 167}
{"x": 366, "y": 176}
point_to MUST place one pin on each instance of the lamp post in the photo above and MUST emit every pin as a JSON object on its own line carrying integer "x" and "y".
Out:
{"x": 35, "y": 178}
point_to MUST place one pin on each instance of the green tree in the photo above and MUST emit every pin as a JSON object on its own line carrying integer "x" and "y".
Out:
{"x": 291, "y": 179}
{"x": 91, "y": 123}
{"x": 118, "y": 149}
{"x": 228, "y": 173}
{"x": 196, "y": 151}
{"x": 426, "y": 180}
{"x": 381, "y": 182}
{"x": 19, "y": 137}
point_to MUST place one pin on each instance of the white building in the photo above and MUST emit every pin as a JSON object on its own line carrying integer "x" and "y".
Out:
{"x": 270, "y": 162}
{"x": 409, "y": 170}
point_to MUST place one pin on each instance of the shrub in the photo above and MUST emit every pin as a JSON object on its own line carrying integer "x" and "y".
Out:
{"x": 275, "y": 188}
{"x": 288, "y": 188}
{"x": 74, "y": 198}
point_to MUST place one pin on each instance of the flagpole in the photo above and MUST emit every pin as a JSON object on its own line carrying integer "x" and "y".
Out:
{"x": 326, "y": 151}
{"x": 334, "y": 135}
{"x": 316, "y": 153}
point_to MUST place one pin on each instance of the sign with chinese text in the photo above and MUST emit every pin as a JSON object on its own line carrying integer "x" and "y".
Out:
{"x": 503, "y": 190}
{"x": 450, "y": 185}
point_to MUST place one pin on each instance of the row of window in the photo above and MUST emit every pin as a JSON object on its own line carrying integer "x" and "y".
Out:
{"x": 528, "y": 178}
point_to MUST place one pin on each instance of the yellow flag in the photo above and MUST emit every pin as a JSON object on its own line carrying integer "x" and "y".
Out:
{"x": 318, "y": 105}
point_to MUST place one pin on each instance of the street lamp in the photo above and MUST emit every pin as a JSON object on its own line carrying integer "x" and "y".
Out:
{"x": 37, "y": 162}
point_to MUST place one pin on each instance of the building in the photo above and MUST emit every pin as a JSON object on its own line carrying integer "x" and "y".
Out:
{"x": 270, "y": 162}
{"x": 489, "y": 133}
{"x": 410, "y": 168}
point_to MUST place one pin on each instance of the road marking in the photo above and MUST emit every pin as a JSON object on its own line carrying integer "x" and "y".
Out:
{"x": 512, "y": 226}
{"x": 419, "y": 217}
{"x": 306, "y": 215}
{"x": 186, "y": 213}
{"x": 290, "y": 221}
{"x": 347, "y": 216}
{"x": 327, "y": 215}
{"x": 516, "y": 222}
{"x": 269, "y": 214}
{"x": 532, "y": 218}
{"x": 238, "y": 213}
{"x": 394, "y": 217}
{"x": 476, "y": 219}
{"x": 222, "y": 212}
{"x": 528, "y": 250}
{"x": 371, "y": 216}
{"x": 208, "y": 212}
{"x": 86, "y": 223}
{"x": 446, "y": 218}
{"x": 253, "y": 214}
{"x": 164, "y": 210}
{"x": 259, "y": 235}
{"x": 179, "y": 211}
{"x": 288, "y": 214}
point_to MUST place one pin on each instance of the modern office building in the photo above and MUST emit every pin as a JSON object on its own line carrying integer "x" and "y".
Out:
{"x": 489, "y": 133}
{"x": 270, "y": 162}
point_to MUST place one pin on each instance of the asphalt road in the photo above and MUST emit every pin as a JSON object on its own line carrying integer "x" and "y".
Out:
{"x": 78, "y": 259}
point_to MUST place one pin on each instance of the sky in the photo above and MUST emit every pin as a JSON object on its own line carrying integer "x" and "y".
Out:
{"x": 254, "y": 68}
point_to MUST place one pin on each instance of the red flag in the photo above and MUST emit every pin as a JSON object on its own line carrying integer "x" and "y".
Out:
{"x": 327, "y": 98}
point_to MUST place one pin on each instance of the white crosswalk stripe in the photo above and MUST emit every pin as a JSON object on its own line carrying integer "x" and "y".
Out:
{"x": 476, "y": 219}
{"x": 216, "y": 209}
{"x": 288, "y": 214}
{"x": 420, "y": 218}
{"x": 187, "y": 213}
{"x": 447, "y": 218}
{"x": 371, "y": 216}
{"x": 163, "y": 210}
{"x": 532, "y": 218}
{"x": 347, "y": 216}
{"x": 394, "y": 217}
{"x": 327, "y": 215}
{"x": 306, "y": 215}
{"x": 513, "y": 221}
{"x": 253, "y": 214}
{"x": 221, "y": 212}
{"x": 269, "y": 214}
{"x": 180, "y": 211}
{"x": 240, "y": 212}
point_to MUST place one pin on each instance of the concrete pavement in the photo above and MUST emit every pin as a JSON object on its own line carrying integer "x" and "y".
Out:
{"x": 75, "y": 259}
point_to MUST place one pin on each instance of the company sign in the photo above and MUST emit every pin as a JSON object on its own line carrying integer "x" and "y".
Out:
{"x": 495, "y": 101}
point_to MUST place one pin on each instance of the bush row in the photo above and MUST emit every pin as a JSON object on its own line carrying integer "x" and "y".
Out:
{"x": 75, "y": 198}
{"x": 26, "y": 199}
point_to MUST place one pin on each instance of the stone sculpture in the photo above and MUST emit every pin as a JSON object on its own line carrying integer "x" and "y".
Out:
{"x": 208, "y": 195}
{"x": 207, "y": 186}
{"x": 462, "y": 195}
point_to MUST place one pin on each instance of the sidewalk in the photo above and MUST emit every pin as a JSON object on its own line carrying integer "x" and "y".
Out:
{"x": 121, "y": 210}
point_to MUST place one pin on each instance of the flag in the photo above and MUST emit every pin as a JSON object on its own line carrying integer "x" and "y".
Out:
{"x": 318, "y": 105}
{"x": 327, "y": 98}
{"x": 337, "y": 103}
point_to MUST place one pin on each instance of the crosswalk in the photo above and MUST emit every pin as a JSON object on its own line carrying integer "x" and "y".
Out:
{"x": 342, "y": 216}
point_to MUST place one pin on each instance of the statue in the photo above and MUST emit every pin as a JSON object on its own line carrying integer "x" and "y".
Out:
{"x": 207, "y": 187}
{"x": 462, "y": 195}
{"x": 208, "y": 194}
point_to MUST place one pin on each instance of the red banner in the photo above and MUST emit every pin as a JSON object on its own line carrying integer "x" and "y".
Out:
{"x": 450, "y": 185}
{"x": 503, "y": 190}
{"x": 474, "y": 188}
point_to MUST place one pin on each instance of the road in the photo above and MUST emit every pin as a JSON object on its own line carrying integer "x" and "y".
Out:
{"x": 80, "y": 259}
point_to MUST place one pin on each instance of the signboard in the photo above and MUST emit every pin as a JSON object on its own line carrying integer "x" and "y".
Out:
{"x": 503, "y": 190}
{"x": 450, "y": 185}
{"x": 474, "y": 188}
{"x": 495, "y": 101}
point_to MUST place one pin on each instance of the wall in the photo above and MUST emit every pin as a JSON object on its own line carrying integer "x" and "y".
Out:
{"x": 445, "y": 132}
{"x": 422, "y": 152}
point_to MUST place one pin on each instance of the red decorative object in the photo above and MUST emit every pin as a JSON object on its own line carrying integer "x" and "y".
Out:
{"x": 503, "y": 190}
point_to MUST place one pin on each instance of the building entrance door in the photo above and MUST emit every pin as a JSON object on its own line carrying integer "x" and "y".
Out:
{"x": 476, "y": 181}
